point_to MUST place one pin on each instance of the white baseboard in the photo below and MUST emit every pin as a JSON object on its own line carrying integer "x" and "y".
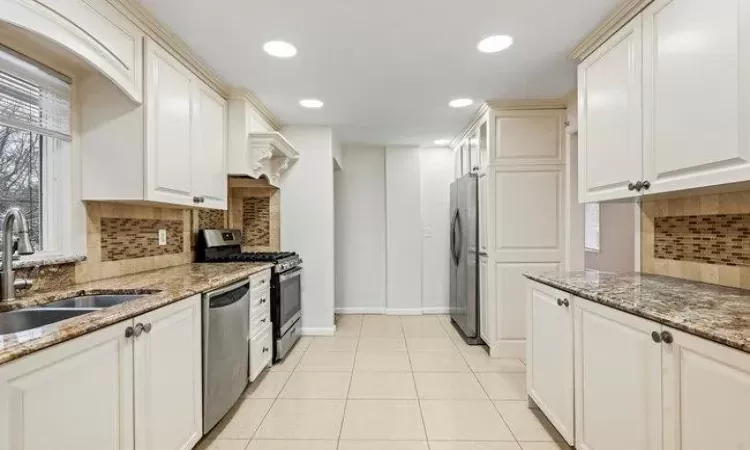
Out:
{"x": 404, "y": 312}
{"x": 325, "y": 331}
{"x": 509, "y": 349}
{"x": 366, "y": 310}
{"x": 436, "y": 310}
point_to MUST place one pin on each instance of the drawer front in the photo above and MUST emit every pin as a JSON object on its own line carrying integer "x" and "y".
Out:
{"x": 259, "y": 319}
{"x": 261, "y": 352}
{"x": 260, "y": 298}
{"x": 260, "y": 281}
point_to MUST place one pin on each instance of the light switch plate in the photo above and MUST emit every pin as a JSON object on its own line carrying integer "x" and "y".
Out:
{"x": 162, "y": 237}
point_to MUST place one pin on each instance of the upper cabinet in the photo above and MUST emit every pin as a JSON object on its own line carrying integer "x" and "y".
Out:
{"x": 610, "y": 117}
{"x": 661, "y": 102}
{"x": 92, "y": 29}
{"x": 255, "y": 149}
{"x": 170, "y": 150}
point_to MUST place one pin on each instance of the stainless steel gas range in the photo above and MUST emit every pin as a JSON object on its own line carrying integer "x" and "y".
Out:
{"x": 220, "y": 246}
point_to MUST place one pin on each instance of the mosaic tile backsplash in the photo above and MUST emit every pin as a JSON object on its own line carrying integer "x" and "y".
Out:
{"x": 256, "y": 220}
{"x": 209, "y": 218}
{"x": 126, "y": 238}
{"x": 722, "y": 239}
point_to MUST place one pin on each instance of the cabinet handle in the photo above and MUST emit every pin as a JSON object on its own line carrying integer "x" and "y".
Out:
{"x": 566, "y": 302}
{"x": 631, "y": 186}
{"x": 559, "y": 302}
{"x": 646, "y": 185}
{"x": 656, "y": 336}
{"x": 638, "y": 186}
{"x": 265, "y": 349}
{"x": 147, "y": 327}
{"x": 129, "y": 332}
{"x": 138, "y": 329}
{"x": 262, "y": 300}
{"x": 666, "y": 337}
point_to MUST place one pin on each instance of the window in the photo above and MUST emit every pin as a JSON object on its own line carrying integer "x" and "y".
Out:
{"x": 34, "y": 148}
{"x": 591, "y": 227}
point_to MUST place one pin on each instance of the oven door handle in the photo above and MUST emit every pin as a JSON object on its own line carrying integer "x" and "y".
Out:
{"x": 290, "y": 274}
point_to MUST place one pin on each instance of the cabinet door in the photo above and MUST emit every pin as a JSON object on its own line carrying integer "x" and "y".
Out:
{"x": 695, "y": 100}
{"x": 75, "y": 395}
{"x": 169, "y": 90}
{"x": 168, "y": 377}
{"x": 484, "y": 307}
{"x": 706, "y": 394}
{"x": 610, "y": 117}
{"x": 549, "y": 355}
{"x": 617, "y": 380}
{"x": 209, "y": 180}
{"x": 484, "y": 149}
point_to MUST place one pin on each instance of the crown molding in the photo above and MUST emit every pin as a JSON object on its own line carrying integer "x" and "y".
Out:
{"x": 265, "y": 113}
{"x": 621, "y": 15}
{"x": 478, "y": 117}
{"x": 520, "y": 105}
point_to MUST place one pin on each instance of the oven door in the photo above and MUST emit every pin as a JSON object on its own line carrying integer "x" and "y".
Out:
{"x": 289, "y": 299}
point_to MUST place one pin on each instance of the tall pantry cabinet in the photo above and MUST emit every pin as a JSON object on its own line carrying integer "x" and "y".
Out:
{"x": 522, "y": 188}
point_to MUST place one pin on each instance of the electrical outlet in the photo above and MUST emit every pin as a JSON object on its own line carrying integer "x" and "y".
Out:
{"x": 162, "y": 237}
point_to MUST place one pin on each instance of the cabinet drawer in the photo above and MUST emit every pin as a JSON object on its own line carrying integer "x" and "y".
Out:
{"x": 260, "y": 298}
{"x": 260, "y": 280}
{"x": 259, "y": 319}
{"x": 261, "y": 351}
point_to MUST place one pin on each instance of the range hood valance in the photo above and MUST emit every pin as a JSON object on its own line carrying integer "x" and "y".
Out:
{"x": 271, "y": 154}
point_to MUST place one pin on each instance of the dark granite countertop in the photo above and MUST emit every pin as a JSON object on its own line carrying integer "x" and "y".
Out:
{"x": 717, "y": 313}
{"x": 162, "y": 287}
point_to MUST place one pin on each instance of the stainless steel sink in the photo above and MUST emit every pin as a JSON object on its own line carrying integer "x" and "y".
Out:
{"x": 26, "y": 319}
{"x": 93, "y": 301}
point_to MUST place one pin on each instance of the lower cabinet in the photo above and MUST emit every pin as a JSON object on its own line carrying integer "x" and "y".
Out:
{"x": 133, "y": 385}
{"x": 617, "y": 380}
{"x": 638, "y": 384}
{"x": 549, "y": 355}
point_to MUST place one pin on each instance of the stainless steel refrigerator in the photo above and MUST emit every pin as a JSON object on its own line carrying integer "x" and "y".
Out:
{"x": 464, "y": 278}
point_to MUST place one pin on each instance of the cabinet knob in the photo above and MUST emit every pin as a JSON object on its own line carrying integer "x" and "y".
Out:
{"x": 566, "y": 302}
{"x": 567, "y": 123}
{"x": 559, "y": 302}
{"x": 138, "y": 329}
{"x": 147, "y": 327}
{"x": 263, "y": 300}
{"x": 666, "y": 337}
{"x": 263, "y": 320}
{"x": 129, "y": 332}
{"x": 638, "y": 186}
{"x": 196, "y": 199}
{"x": 646, "y": 185}
{"x": 265, "y": 349}
{"x": 631, "y": 186}
{"x": 656, "y": 337}
{"x": 203, "y": 199}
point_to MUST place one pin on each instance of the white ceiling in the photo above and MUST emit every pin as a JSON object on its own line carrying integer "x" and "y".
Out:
{"x": 386, "y": 69}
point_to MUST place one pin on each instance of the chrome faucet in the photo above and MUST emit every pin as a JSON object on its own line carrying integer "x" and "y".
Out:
{"x": 14, "y": 222}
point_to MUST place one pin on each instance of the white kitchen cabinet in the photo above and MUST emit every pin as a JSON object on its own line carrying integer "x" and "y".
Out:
{"x": 483, "y": 182}
{"x": 484, "y": 301}
{"x": 261, "y": 351}
{"x": 706, "y": 393}
{"x": 170, "y": 150}
{"x": 92, "y": 29}
{"x": 169, "y": 127}
{"x": 76, "y": 395}
{"x": 618, "y": 384}
{"x": 610, "y": 117}
{"x": 549, "y": 356}
{"x": 168, "y": 377}
{"x": 696, "y": 78}
{"x": 209, "y": 150}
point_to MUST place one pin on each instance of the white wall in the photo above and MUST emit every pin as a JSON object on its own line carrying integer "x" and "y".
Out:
{"x": 307, "y": 222}
{"x": 360, "y": 231}
{"x": 403, "y": 230}
{"x": 436, "y": 170}
{"x": 616, "y": 238}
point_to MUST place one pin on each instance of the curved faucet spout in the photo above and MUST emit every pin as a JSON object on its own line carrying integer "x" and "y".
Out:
{"x": 16, "y": 221}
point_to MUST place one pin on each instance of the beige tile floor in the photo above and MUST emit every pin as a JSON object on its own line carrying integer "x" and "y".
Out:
{"x": 387, "y": 382}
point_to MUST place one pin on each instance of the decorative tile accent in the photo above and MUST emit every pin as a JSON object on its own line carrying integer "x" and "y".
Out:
{"x": 211, "y": 219}
{"x": 711, "y": 239}
{"x": 256, "y": 221}
{"x": 125, "y": 238}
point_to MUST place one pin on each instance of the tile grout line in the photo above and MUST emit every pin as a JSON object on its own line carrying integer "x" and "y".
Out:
{"x": 416, "y": 390}
{"x": 351, "y": 378}
{"x": 474, "y": 373}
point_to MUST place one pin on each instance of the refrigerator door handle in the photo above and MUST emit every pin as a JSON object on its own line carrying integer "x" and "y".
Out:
{"x": 453, "y": 237}
{"x": 459, "y": 233}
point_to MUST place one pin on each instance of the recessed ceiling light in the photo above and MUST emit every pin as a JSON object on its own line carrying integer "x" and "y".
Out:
{"x": 311, "y": 103}
{"x": 494, "y": 44}
{"x": 460, "y": 103}
{"x": 280, "y": 49}
{"x": 442, "y": 142}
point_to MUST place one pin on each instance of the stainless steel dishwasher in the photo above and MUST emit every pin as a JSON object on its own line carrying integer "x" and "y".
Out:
{"x": 225, "y": 349}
